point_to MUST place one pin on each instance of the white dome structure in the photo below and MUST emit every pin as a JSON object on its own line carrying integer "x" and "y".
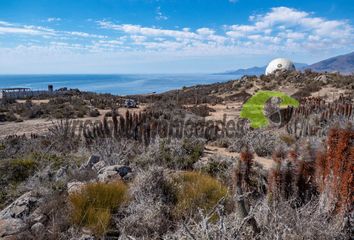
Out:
{"x": 279, "y": 64}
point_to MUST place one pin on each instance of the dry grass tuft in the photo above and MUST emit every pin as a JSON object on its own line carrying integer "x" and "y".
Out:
{"x": 93, "y": 206}
{"x": 195, "y": 190}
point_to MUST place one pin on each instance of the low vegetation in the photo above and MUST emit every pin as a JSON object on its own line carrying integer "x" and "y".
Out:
{"x": 93, "y": 205}
{"x": 141, "y": 182}
{"x": 196, "y": 191}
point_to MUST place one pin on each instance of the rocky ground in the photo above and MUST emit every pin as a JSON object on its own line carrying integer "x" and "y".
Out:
{"x": 129, "y": 177}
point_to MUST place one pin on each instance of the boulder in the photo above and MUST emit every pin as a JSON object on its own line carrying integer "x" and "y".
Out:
{"x": 21, "y": 207}
{"x": 11, "y": 226}
{"x": 114, "y": 172}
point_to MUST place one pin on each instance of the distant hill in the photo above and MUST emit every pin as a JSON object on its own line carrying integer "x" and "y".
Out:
{"x": 258, "y": 70}
{"x": 343, "y": 64}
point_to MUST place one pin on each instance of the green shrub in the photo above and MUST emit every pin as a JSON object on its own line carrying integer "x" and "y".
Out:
{"x": 93, "y": 205}
{"x": 194, "y": 150}
{"x": 195, "y": 191}
{"x": 20, "y": 169}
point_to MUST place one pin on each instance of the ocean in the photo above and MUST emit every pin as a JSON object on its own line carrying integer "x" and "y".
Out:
{"x": 118, "y": 84}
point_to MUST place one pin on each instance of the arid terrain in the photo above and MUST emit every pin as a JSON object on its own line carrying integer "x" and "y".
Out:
{"x": 181, "y": 165}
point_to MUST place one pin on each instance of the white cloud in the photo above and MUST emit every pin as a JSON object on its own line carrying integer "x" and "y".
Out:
{"x": 160, "y": 15}
{"x": 282, "y": 24}
{"x": 24, "y": 30}
{"x": 86, "y": 35}
{"x": 3, "y": 23}
{"x": 147, "y": 31}
{"x": 53, "y": 19}
{"x": 205, "y": 31}
{"x": 280, "y": 31}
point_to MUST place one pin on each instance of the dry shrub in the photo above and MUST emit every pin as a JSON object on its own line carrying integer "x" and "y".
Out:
{"x": 173, "y": 153}
{"x": 56, "y": 210}
{"x": 288, "y": 139}
{"x": 260, "y": 142}
{"x": 280, "y": 222}
{"x": 195, "y": 190}
{"x": 148, "y": 214}
{"x": 93, "y": 206}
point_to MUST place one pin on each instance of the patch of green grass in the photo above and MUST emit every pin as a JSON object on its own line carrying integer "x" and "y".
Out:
{"x": 253, "y": 108}
{"x": 21, "y": 169}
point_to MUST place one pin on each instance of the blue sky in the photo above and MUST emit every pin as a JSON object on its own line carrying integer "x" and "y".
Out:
{"x": 168, "y": 36}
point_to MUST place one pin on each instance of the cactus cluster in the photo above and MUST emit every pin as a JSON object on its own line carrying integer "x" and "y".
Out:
{"x": 308, "y": 171}
{"x": 315, "y": 115}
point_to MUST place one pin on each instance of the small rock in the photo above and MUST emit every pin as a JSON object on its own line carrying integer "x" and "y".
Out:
{"x": 11, "y": 226}
{"x": 21, "y": 207}
{"x": 37, "y": 216}
{"x": 113, "y": 172}
{"x": 74, "y": 187}
{"x": 87, "y": 237}
{"x": 99, "y": 165}
{"x": 322, "y": 79}
{"x": 61, "y": 173}
{"x": 92, "y": 161}
{"x": 38, "y": 228}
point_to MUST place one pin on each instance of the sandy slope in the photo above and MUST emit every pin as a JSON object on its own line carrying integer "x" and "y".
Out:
{"x": 39, "y": 126}
{"x": 267, "y": 163}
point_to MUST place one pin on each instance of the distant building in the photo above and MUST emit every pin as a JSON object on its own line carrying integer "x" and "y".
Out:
{"x": 280, "y": 64}
{"x": 22, "y": 93}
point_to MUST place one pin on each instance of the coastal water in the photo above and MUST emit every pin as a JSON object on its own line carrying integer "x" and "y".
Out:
{"x": 115, "y": 84}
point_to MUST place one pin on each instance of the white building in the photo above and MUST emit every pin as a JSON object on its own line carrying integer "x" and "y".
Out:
{"x": 279, "y": 64}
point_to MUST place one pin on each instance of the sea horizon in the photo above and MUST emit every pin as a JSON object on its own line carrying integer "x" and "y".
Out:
{"x": 117, "y": 84}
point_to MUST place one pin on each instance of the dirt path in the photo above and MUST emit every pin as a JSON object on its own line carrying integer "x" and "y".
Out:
{"x": 209, "y": 151}
{"x": 231, "y": 109}
{"x": 40, "y": 126}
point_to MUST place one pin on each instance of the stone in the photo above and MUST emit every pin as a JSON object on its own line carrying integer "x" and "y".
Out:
{"x": 92, "y": 160}
{"x": 113, "y": 172}
{"x": 99, "y": 165}
{"x": 37, "y": 216}
{"x": 75, "y": 187}
{"x": 61, "y": 173}
{"x": 86, "y": 237}
{"x": 21, "y": 207}
{"x": 11, "y": 226}
{"x": 322, "y": 79}
{"x": 38, "y": 228}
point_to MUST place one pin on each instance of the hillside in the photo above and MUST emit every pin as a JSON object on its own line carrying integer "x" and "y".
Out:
{"x": 183, "y": 163}
{"x": 258, "y": 70}
{"x": 343, "y": 64}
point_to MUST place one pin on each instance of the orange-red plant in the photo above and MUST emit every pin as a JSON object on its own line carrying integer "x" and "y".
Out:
{"x": 335, "y": 169}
